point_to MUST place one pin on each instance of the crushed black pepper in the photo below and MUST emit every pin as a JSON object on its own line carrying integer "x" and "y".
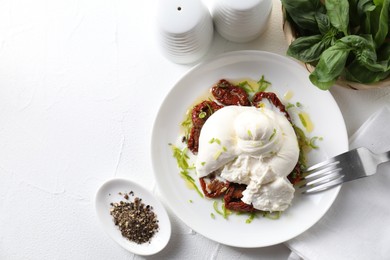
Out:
{"x": 136, "y": 221}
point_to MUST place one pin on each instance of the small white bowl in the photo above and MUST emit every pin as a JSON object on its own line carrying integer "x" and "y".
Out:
{"x": 109, "y": 192}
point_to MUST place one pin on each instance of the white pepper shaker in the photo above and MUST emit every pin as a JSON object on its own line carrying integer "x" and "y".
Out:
{"x": 241, "y": 21}
{"x": 184, "y": 30}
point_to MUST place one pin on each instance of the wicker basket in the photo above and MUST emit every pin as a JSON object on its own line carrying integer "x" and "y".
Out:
{"x": 290, "y": 35}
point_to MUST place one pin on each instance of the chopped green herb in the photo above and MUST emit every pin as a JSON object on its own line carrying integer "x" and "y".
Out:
{"x": 298, "y": 104}
{"x": 212, "y": 215}
{"x": 289, "y": 105}
{"x": 224, "y": 148}
{"x": 187, "y": 124}
{"x": 180, "y": 156}
{"x": 313, "y": 141}
{"x": 223, "y": 212}
{"x": 217, "y": 154}
{"x": 210, "y": 109}
{"x": 215, "y": 206}
{"x": 263, "y": 84}
{"x": 212, "y": 140}
{"x": 203, "y": 163}
{"x": 302, "y": 120}
{"x": 218, "y": 141}
{"x": 202, "y": 114}
{"x": 273, "y": 135}
{"x": 245, "y": 86}
{"x": 251, "y": 218}
{"x": 250, "y": 133}
{"x": 185, "y": 175}
{"x": 273, "y": 215}
{"x": 190, "y": 201}
{"x": 182, "y": 161}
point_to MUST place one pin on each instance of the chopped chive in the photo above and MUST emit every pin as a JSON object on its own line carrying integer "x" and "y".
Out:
{"x": 250, "y": 133}
{"x": 210, "y": 109}
{"x": 224, "y": 148}
{"x": 289, "y": 105}
{"x": 202, "y": 114}
{"x": 246, "y": 86}
{"x": 182, "y": 162}
{"x": 215, "y": 206}
{"x": 203, "y": 163}
{"x": 217, "y": 154}
{"x": 263, "y": 84}
{"x": 212, "y": 215}
{"x": 302, "y": 120}
{"x": 225, "y": 211}
{"x": 273, "y": 215}
{"x": 273, "y": 135}
{"x": 218, "y": 141}
{"x": 212, "y": 140}
{"x": 251, "y": 218}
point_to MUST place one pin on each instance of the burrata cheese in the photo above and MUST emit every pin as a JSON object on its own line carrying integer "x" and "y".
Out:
{"x": 253, "y": 146}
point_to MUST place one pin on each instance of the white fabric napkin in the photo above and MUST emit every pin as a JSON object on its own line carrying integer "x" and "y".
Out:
{"x": 357, "y": 226}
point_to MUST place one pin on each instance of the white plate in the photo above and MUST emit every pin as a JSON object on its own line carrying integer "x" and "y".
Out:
{"x": 285, "y": 75}
{"x": 109, "y": 192}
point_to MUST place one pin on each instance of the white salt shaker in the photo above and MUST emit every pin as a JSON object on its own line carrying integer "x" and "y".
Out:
{"x": 184, "y": 30}
{"x": 241, "y": 20}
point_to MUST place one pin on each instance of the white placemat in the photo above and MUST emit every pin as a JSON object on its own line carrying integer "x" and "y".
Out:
{"x": 358, "y": 224}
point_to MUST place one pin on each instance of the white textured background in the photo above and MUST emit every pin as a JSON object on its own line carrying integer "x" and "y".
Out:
{"x": 80, "y": 84}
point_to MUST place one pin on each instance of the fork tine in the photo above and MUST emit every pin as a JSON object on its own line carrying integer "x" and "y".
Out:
{"x": 320, "y": 167}
{"x": 320, "y": 179}
{"x": 325, "y": 186}
{"x": 317, "y": 172}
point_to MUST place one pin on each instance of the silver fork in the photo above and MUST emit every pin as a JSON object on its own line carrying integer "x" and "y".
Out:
{"x": 352, "y": 165}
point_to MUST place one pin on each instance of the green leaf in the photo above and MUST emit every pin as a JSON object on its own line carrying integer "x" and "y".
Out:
{"x": 365, "y": 68}
{"x": 354, "y": 20}
{"x": 364, "y": 10}
{"x": 359, "y": 71}
{"x": 330, "y": 66}
{"x": 383, "y": 23}
{"x": 323, "y": 23}
{"x": 302, "y": 12}
{"x": 338, "y": 12}
{"x": 307, "y": 48}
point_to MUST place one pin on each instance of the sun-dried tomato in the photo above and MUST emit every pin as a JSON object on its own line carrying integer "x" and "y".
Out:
{"x": 228, "y": 94}
{"x": 212, "y": 187}
{"x": 233, "y": 197}
{"x": 200, "y": 113}
{"x": 273, "y": 98}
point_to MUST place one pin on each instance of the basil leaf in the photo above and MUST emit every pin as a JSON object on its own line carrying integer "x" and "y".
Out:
{"x": 307, "y": 48}
{"x": 365, "y": 68}
{"x": 364, "y": 9}
{"x": 330, "y": 65}
{"x": 383, "y": 52}
{"x": 359, "y": 71}
{"x": 302, "y": 12}
{"x": 354, "y": 19}
{"x": 323, "y": 22}
{"x": 338, "y": 12}
{"x": 364, "y": 6}
{"x": 363, "y": 46}
{"x": 383, "y": 23}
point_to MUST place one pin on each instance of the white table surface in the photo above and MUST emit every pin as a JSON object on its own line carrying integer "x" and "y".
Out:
{"x": 80, "y": 85}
